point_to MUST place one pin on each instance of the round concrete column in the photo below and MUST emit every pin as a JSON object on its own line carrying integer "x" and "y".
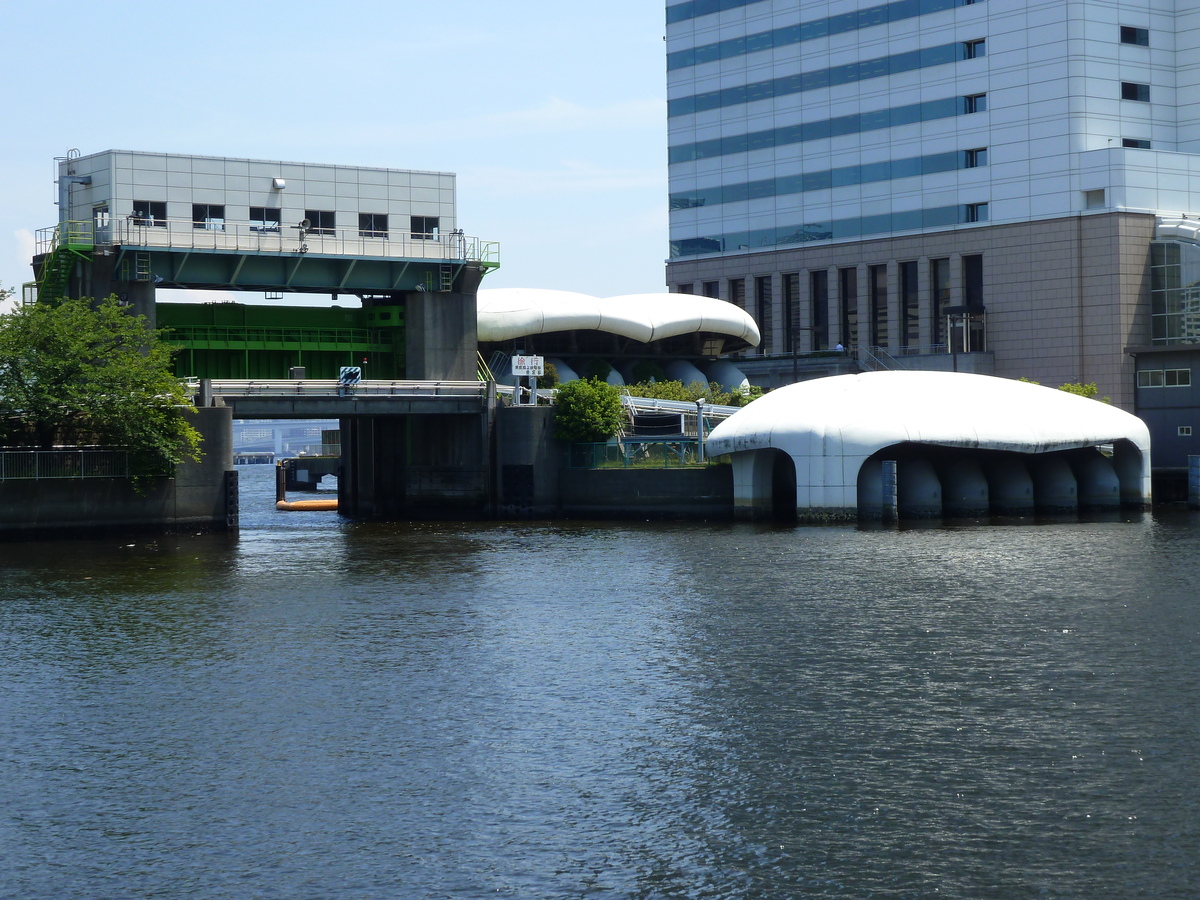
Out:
{"x": 870, "y": 489}
{"x": 918, "y": 490}
{"x": 1010, "y": 488}
{"x": 964, "y": 487}
{"x": 1098, "y": 485}
{"x": 1054, "y": 487}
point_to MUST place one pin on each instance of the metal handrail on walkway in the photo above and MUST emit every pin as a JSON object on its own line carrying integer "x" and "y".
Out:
{"x": 228, "y": 235}
{"x": 331, "y": 387}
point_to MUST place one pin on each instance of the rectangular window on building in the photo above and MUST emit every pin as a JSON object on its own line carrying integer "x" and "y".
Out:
{"x": 762, "y": 312}
{"x": 423, "y": 228}
{"x": 1148, "y": 378}
{"x": 939, "y": 298}
{"x": 737, "y": 292}
{"x": 791, "y": 311}
{"x": 149, "y": 212}
{"x": 818, "y": 296}
{"x": 972, "y": 272}
{"x": 321, "y": 221}
{"x": 1177, "y": 377}
{"x": 1132, "y": 90}
{"x": 712, "y": 289}
{"x": 1135, "y": 143}
{"x": 975, "y": 212}
{"x": 877, "y": 285}
{"x": 974, "y": 103}
{"x": 1138, "y": 36}
{"x": 373, "y": 225}
{"x": 264, "y": 218}
{"x": 910, "y": 328}
{"x": 973, "y": 49}
{"x": 973, "y": 159}
{"x": 209, "y": 216}
{"x": 1184, "y": 431}
{"x": 848, "y": 300}
{"x": 684, "y": 288}
{"x": 1169, "y": 321}
{"x": 1093, "y": 199}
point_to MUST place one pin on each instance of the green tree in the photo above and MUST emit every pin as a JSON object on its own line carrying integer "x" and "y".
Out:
{"x": 74, "y": 372}
{"x": 712, "y": 392}
{"x": 587, "y": 410}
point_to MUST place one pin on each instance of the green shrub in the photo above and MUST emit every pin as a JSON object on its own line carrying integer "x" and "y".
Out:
{"x": 586, "y": 411}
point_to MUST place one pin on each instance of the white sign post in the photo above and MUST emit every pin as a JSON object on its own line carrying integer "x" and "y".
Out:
{"x": 527, "y": 367}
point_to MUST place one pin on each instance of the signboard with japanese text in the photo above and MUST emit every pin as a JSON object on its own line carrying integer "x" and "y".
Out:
{"x": 528, "y": 366}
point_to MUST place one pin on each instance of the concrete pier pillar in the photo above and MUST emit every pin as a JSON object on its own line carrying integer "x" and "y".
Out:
{"x": 1054, "y": 487}
{"x": 919, "y": 492}
{"x": 1010, "y": 487}
{"x": 964, "y": 487}
{"x": 1097, "y": 483}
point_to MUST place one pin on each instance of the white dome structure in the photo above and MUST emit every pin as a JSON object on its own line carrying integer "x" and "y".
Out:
{"x": 508, "y": 313}
{"x": 963, "y": 444}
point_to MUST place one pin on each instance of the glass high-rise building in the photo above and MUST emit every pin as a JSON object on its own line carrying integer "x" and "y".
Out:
{"x": 938, "y": 183}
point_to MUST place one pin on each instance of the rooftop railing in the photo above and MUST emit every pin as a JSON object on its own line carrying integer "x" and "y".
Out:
{"x": 252, "y": 237}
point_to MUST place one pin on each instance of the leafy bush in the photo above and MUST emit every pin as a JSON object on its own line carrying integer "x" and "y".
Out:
{"x": 587, "y": 410}
{"x": 76, "y": 373}
{"x": 712, "y": 392}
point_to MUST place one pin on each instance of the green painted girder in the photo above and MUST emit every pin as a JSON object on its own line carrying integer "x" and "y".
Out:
{"x": 272, "y": 271}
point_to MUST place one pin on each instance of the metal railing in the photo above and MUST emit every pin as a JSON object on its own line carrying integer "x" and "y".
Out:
{"x": 635, "y": 452}
{"x": 45, "y": 464}
{"x": 184, "y": 234}
{"x": 332, "y": 387}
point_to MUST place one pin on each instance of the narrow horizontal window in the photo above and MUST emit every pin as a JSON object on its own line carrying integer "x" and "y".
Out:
{"x": 373, "y": 225}
{"x": 208, "y": 216}
{"x": 321, "y": 221}
{"x": 1138, "y": 36}
{"x": 807, "y": 232}
{"x": 808, "y": 81}
{"x": 264, "y": 218}
{"x": 868, "y": 173}
{"x": 149, "y": 212}
{"x": 424, "y": 228}
{"x": 975, "y": 212}
{"x": 1147, "y": 378}
{"x": 929, "y": 111}
{"x": 1132, "y": 90}
{"x": 1177, "y": 377}
{"x": 1136, "y": 143}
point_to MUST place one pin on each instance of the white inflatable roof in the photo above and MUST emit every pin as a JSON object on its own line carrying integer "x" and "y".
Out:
{"x": 507, "y": 313}
{"x": 831, "y": 426}
{"x": 856, "y": 415}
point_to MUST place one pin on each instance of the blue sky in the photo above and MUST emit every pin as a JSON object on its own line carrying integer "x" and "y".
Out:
{"x": 552, "y": 114}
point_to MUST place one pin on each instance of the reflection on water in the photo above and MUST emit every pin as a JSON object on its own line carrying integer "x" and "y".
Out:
{"x": 318, "y": 708}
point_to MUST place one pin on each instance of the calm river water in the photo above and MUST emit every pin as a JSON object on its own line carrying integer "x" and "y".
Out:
{"x": 317, "y": 709}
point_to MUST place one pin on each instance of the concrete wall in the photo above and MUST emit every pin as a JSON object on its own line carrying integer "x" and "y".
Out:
{"x": 528, "y": 462}
{"x": 201, "y": 495}
{"x": 691, "y": 493}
